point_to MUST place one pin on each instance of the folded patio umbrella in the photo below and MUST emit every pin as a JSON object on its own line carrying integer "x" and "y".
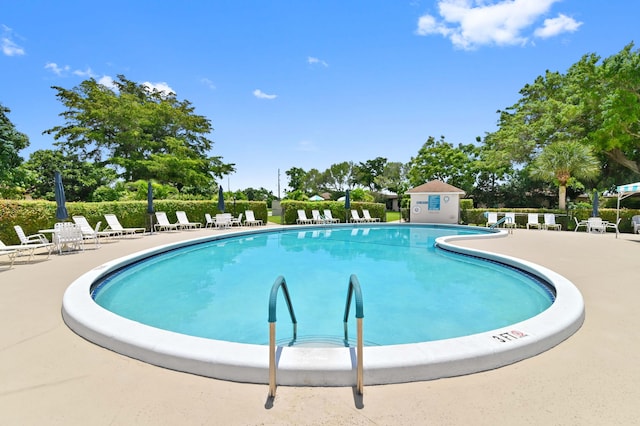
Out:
{"x": 61, "y": 208}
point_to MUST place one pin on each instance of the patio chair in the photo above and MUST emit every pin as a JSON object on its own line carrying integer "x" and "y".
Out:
{"x": 355, "y": 217}
{"x": 302, "y": 218}
{"x": 7, "y": 251}
{"x": 209, "y": 221}
{"x": 89, "y": 233}
{"x": 367, "y": 216}
{"x": 329, "y": 217}
{"x": 613, "y": 226}
{"x": 579, "y": 224}
{"x": 223, "y": 220}
{"x": 164, "y": 224}
{"x": 184, "y": 222}
{"x": 492, "y": 219}
{"x": 35, "y": 241}
{"x": 15, "y": 250}
{"x": 595, "y": 224}
{"x": 113, "y": 224}
{"x": 68, "y": 235}
{"x": 236, "y": 221}
{"x": 550, "y": 222}
{"x": 635, "y": 221}
{"x": 317, "y": 217}
{"x": 532, "y": 221}
{"x": 250, "y": 219}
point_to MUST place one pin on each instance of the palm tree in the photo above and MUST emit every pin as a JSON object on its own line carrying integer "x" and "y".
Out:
{"x": 561, "y": 161}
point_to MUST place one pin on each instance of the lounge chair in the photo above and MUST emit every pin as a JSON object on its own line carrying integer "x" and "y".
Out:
{"x": 532, "y": 221}
{"x": 68, "y": 235}
{"x": 595, "y": 224}
{"x": 317, "y": 217}
{"x": 328, "y": 217}
{"x": 492, "y": 219}
{"x": 184, "y": 222}
{"x": 510, "y": 220}
{"x": 367, "y": 216}
{"x": 580, "y": 223}
{"x": 113, "y": 224}
{"x": 89, "y": 233}
{"x": 236, "y": 221}
{"x": 355, "y": 218}
{"x": 36, "y": 240}
{"x": 14, "y": 250}
{"x": 250, "y": 219}
{"x": 635, "y": 221}
{"x": 8, "y": 251}
{"x": 164, "y": 224}
{"x": 223, "y": 220}
{"x": 302, "y": 218}
{"x": 550, "y": 222}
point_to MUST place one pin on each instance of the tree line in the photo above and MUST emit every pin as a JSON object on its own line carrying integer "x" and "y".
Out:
{"x": 568, "y": 132}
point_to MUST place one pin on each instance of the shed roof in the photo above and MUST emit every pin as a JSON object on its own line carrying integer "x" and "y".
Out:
{"x": 435, "y": 186}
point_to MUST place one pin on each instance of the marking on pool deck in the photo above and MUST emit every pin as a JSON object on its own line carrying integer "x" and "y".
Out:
{"x": 509, "y": 336}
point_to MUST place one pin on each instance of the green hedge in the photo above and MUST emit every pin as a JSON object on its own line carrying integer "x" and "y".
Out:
{"x": 476, "y": 217}
{"x": 35, "y": 215}
{"x": 290, "y": 209}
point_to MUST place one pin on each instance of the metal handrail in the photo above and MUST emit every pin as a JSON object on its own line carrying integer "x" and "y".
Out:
{"x": 273, "y": 297}
{"x": 354, "y": 288}
{"x": 500, "y": 222}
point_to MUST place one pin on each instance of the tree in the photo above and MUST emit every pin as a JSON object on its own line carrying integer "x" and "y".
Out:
{"x": 394, "y": 178}
{"x": 338, "y": 177}
{"x": 80, "y": 178}
{"x": 296, "y": 179}
{"x": 141, "y": 133}
{"x": 442, "y": 161}
{"x": 366, "y": 173}
{"x": 11, "y": 142}
{"x": 563, "y": 161}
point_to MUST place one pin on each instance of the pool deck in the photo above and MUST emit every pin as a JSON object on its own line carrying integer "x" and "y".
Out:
{"x": 49, "y": 375}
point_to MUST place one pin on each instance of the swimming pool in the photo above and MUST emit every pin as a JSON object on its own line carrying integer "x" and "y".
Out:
{"x": 394, "y": 361}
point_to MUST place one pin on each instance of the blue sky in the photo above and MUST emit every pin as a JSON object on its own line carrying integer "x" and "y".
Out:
{"x": 305, "y": 83}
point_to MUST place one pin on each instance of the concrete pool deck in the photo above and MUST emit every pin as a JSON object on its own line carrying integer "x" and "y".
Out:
{"x": 49, "y": 375}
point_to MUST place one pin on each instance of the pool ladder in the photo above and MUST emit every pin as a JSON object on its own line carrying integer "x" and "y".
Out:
{"x": 353, "y": 289}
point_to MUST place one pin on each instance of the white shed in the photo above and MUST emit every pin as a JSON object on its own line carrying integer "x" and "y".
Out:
{"x": 435, "y": 202}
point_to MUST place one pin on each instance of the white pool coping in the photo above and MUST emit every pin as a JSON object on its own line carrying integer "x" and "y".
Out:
{"x": 311, "y": 366}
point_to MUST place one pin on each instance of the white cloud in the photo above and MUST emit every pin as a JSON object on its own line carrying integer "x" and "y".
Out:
{"x": 57, "y": 70}
{"x": 161, "y": 87}
{"x": 208, "y": 83}
{"x": 8, "y": 46}
{"x": 85, "y": 73}
{"x": 473, "y": 23}
{"x": 107, "y": 81}
{"x": 261, "y": 95}
{"x": 313, "y": 61}
{"x": 306, "y": 146}
{"x": 554, "y": 26}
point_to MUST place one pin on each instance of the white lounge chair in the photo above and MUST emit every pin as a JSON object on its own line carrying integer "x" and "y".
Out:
{"x": 367, "y": 216}
{"x": 355, "y": 217}
{"x": 8, "y": 251}
{"x": 302, "y": 218}
{"x": 164, "y": 224}
{"x": 250, "y": 219}
{"x": 36, "y": 240}
{"x": 580, "y": 223}
{"x": 510, "y": 220}
{"x": 532, "y": 221}
{"x": 328, "y": 217}
{"x": 492, "y": 219}
{"x": 184, "y": 222}
{"x": 14, "y": 250}
{"x": 68, "y": 235}
{"x": 113, "y": 224}
{"x": 550, "y": 222}
{"x": 89, "y": 233}
{"x": 317, "y": 217}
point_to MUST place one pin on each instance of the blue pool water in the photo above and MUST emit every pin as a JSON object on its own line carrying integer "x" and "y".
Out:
{"x": 412, "y": 292}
